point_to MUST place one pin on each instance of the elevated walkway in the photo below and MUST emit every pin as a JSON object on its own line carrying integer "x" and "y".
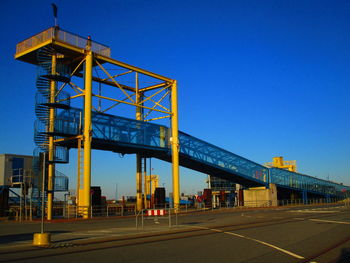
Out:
{"x": 129, "y": 136}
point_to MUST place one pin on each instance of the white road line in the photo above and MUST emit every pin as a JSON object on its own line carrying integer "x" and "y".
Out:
{"x": 234, "y": 234}
{"x": 253, "y": 239}
{"x": 267, "y": 244}
{"x": 330, "y": 221}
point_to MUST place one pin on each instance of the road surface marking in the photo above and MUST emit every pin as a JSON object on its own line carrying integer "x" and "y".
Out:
{"x": 253, "y": 239}
{"x": 82, "y": 234}
{"x": 100, "y": 231}
{"x": 313, "y": 211}
{"x": 267, "y": 244}
{"x": 234, "y": 234}
{"x": 330, "y": 221}
{"x": 205, "y": 228}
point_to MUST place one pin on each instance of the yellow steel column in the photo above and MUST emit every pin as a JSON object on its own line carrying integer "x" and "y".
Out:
{"x": 144, "y": 183}
{"x": 138, "y": 182}
{"x": 51, "y": 166}
{"x": 175, "y": 146}
{"x": 77, "y": 199}
{"x": 86, "y": 199}
{"x": 138, "y": 156}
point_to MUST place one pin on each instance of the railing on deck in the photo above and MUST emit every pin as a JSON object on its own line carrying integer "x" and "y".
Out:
{"x": 62, "y": 36}
{"x": 35, "y": 40}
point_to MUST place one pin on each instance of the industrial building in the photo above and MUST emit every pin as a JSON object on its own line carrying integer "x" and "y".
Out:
{"x": 12, "y": 166}
{"x": 223, "y": 191}
{"x": 19, "y": 183}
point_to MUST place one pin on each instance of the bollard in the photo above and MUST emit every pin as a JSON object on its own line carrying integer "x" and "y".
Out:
{"x": 41, "y": 239}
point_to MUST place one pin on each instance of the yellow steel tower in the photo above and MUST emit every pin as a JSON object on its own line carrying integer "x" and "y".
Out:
{"x": 91, "y": 67}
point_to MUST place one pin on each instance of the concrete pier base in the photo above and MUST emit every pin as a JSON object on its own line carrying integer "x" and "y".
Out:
{"x": 260, "y": 196}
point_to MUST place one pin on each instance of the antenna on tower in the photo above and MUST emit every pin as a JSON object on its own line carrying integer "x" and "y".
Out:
{"x": 54, "y": 9}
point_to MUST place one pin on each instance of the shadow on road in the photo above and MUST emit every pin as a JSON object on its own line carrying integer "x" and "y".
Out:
{"x": 6, "y": 239}
{"x": 344, "y": 256}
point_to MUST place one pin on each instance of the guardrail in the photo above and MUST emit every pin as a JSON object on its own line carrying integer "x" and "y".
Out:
{"x": 109, "y": 210}
{"x": 34, "y": 40}
{"x": 63, "y": 36}
{"x": 312, "y": 201}
{"x": 33, "y": 211}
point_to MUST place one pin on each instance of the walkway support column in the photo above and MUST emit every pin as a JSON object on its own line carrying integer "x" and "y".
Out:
{"x": 51, "y": 153}
{"x": 86, "y": 198}
{"x": 138, "y": 156}
{"x": 304, "y": 196}
{"x": 175, "y": 147}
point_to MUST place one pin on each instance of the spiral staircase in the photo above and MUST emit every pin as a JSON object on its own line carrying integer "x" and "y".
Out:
{"x": 44, "y": 128}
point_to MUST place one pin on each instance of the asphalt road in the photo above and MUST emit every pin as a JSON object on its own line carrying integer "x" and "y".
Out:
{"x": 302, "y": 234}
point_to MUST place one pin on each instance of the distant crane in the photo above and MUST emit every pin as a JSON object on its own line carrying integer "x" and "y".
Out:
{"x": 278, "y": 162}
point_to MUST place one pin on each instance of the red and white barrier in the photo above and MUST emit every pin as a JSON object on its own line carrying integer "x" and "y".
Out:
{"x": 156, "y": 212}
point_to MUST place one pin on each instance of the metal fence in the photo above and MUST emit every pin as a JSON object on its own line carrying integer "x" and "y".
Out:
{"x": 34, "y": 40}
{"x": 169, "y": 215}
{"x": 82, "y": 42}
{"x": 63, "y": 36}
{"x": 109, "y": 210}
{"x": 33, "y": 211}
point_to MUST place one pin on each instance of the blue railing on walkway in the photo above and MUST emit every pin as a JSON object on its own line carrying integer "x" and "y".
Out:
{"x": 308, "y": 183}
{"x": 205, "y": 152}
{"x": 115, "y": 129}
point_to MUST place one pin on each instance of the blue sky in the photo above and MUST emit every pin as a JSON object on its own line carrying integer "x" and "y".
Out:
{"x": 258, "y": 78}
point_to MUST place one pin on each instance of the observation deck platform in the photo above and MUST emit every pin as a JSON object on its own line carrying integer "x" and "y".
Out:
{"x": 74, "y": 48}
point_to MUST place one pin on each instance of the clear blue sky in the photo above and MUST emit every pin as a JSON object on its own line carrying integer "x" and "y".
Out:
{"x": 258, "y": 78}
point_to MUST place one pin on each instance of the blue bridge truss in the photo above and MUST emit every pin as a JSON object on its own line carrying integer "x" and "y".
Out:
{"x": 129, "y": 136}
